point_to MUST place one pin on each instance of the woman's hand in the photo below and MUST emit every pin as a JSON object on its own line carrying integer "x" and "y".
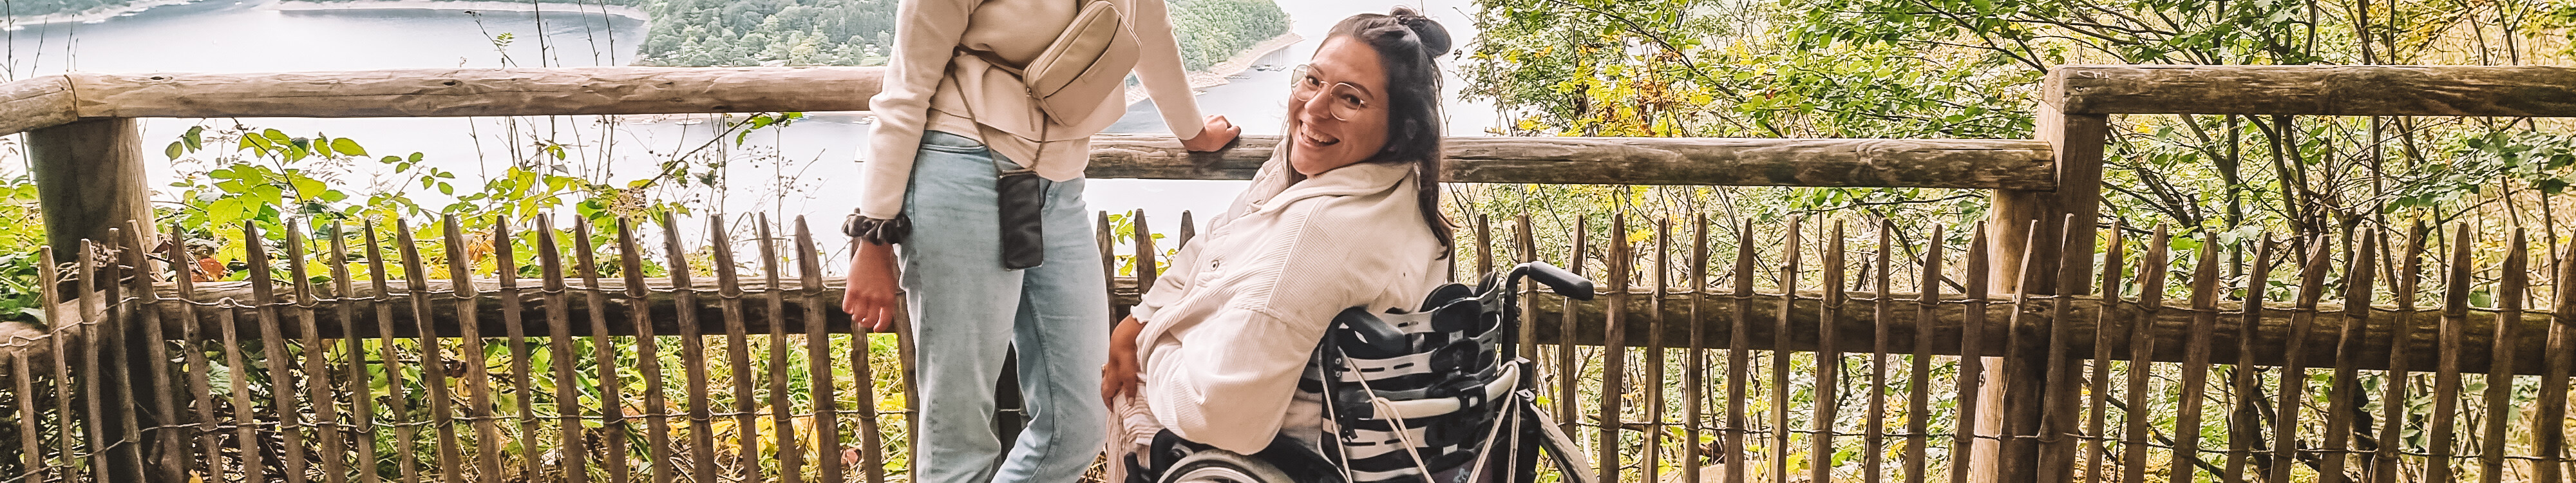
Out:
{"x": 1214, "y": 136}
{"x": 1119, "y": 375}
{"x": 869, "y": 297}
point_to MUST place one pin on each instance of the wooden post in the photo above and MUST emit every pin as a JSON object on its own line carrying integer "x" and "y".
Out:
{"x": 2016, "y": 395}
{"x": 89, "y": 183}
{"x": 2076, "y": 140}
{"x": 89, "y": 179}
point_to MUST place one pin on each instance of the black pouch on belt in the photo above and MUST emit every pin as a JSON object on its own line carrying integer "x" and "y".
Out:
{"x": 1023, "y": 195}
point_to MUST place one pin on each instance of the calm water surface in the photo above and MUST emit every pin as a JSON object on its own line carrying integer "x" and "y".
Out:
{"x": 805, "y": 169}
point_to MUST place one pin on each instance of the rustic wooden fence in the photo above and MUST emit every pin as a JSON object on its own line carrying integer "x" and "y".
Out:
{"x": 2321, "y": 350}
{"x": 1811, "y": 352}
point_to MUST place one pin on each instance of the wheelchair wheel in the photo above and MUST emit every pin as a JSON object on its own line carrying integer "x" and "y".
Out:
{"x": 1220, "y": 466}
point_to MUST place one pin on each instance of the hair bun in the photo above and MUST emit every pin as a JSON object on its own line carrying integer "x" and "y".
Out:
{"x": 1434, "y": 37}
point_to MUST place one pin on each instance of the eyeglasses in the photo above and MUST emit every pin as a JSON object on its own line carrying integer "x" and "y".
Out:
{"x": 1344, "y": 100}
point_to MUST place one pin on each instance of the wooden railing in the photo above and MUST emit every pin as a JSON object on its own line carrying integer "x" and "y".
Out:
{"x": 95, "y": 397}
{"x": 88, "y": 160}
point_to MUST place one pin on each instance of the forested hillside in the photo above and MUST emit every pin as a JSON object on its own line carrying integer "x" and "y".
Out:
{"x": 856, "y": 32}
{"x": 1211, "y": 30}
{"x": 768, "y": 32}
{"x": 17, "y": 8}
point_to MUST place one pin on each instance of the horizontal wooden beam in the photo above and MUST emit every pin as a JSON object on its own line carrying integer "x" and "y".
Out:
{"x": 36, "y": 343}
{"x": 2536, "y": 91}
{"x": 1853, "y": 330}
{"x": 478, "y": 92}
{"x": 2320, "y": 90}
{"x": 2170, "y": 328}
{"x": 1933, "y": 163}
{"x": 36, "y": 103}
{"x": 1924, "y": 163}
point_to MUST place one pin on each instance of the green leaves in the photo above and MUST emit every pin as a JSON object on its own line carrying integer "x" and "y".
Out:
{"x": 270, "y": 175}
{"x": 2495, "y": 159}
{"x": 1782, "y": 68}
{"x": 1122, "y": 229}
{"x": 271, "y": 143}
{"x": 757, "y": 122}
{"x": 345, "y": 146}
{"x": 1971, "y": 69}
{"x": 189, "y": 142}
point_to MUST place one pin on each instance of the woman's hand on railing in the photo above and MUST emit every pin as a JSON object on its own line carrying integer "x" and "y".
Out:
{"x": 869, "y": 296}
{"x": 1214, "y": 136}
{"x": 1119, "y": 375}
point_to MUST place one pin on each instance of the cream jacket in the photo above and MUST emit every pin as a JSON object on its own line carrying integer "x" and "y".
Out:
{"x": 1229, "y": 330}
{"x": 928, "y": 86}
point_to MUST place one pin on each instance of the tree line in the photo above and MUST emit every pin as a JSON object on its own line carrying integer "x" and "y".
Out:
{"x": 859, "y": 32}
{"x": 54, "y": 7}
{"x": 735, "y": 33}
{"x": 1970, "y": 69}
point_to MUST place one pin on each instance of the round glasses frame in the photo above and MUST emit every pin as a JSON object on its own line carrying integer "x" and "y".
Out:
{"x": 1346, "y": 101}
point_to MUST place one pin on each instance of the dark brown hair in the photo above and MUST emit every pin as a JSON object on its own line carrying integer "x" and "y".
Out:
{"x": 1408, "y": 45}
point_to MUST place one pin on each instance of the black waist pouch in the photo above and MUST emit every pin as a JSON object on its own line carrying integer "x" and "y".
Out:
{"x": 1022, "y": 194}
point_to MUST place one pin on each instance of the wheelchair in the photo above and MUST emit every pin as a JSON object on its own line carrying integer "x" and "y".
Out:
{"x": 1435, "y": 395}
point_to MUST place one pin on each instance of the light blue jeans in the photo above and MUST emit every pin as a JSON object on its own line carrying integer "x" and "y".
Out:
{"x": 967, "y": 312}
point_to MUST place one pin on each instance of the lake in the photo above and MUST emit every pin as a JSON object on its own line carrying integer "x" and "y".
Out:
{"x": 804, "y": 169}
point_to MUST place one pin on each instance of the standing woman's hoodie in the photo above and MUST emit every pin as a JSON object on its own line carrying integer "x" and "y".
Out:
{"x": 930, "y": 86}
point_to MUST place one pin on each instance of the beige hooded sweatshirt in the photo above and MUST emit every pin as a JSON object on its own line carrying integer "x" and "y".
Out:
{"x": 930, "y": 87}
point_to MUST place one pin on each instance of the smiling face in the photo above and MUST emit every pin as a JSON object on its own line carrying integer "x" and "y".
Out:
{"x": 1338, "y": 110}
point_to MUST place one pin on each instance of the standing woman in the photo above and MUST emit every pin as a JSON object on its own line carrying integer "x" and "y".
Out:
{"x": 972, "y": 202}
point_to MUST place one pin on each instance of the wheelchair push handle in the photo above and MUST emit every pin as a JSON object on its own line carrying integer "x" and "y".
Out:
{"x": 1556, "y": 279}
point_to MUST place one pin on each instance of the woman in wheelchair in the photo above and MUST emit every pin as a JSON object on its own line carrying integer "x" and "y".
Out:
{"x": 1345, "y": 214}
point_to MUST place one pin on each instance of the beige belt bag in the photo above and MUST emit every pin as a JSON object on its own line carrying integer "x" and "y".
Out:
{"x": 1080, "y": 71}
